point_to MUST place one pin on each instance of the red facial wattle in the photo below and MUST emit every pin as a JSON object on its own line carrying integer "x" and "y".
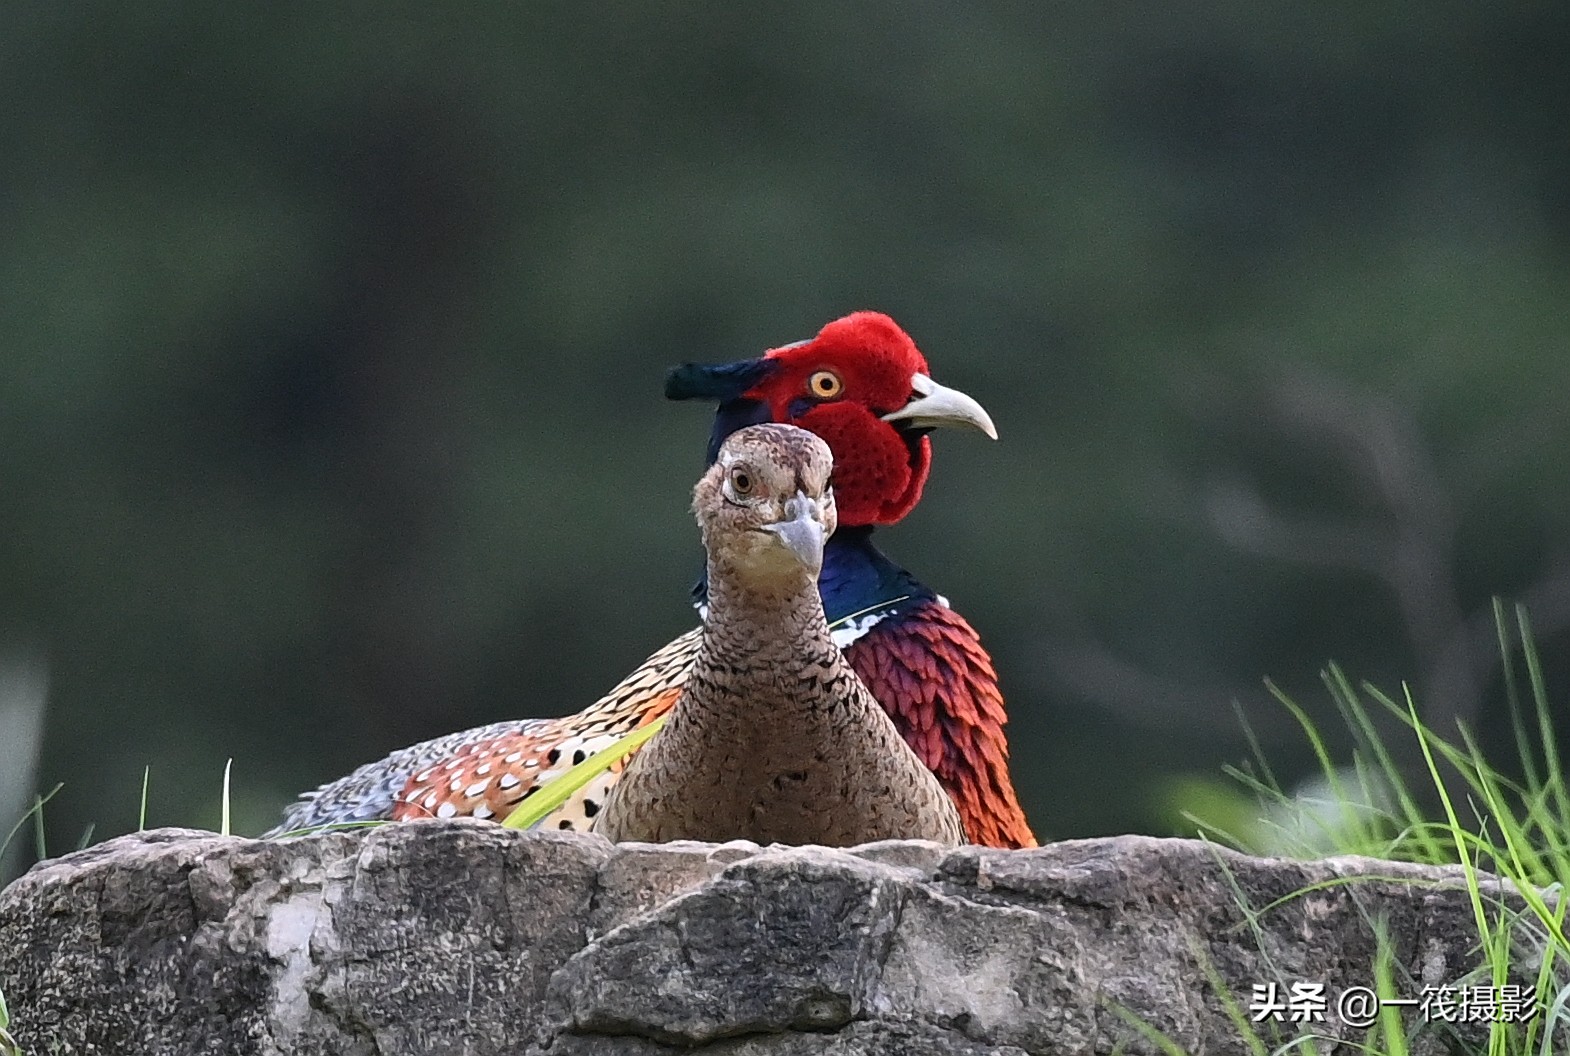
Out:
{"x": 879, "y": 469}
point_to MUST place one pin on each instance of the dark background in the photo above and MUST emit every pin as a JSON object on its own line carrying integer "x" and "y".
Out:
{"x": 331, "y": 346}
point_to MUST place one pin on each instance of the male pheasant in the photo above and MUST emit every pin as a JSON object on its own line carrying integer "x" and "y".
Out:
{"x": 864, "y": 388}
{"x": 774, "y": 739}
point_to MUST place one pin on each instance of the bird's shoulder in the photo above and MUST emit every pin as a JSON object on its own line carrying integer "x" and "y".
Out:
{"x": 927, "y": 667}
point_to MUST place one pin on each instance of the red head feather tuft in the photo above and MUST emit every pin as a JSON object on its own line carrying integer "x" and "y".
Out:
{"x": 839, "y": 385}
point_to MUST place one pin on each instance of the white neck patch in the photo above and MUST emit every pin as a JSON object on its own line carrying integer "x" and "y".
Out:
{"x": 847, "y": 632}
{"x": 844, "y": 632}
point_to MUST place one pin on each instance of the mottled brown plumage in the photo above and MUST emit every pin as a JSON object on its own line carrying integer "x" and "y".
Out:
{"x": 774, "y": 738}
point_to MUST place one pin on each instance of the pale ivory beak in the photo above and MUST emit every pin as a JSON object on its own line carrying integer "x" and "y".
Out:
{"x": 803, "y": 533}
{"x": 935, "y": 406}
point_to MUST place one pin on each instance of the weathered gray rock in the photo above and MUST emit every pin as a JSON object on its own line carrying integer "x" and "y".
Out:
{"x": 465, "y": 938}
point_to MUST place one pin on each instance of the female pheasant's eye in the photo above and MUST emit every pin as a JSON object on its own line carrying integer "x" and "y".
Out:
{"x": 825, "y": 384}
{"x": 741, "y": 482}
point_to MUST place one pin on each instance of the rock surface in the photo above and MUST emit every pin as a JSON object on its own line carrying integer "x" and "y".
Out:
{"x": 464, "y": 938}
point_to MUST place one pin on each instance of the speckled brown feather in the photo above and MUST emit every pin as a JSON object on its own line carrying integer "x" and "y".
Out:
{"x": 774, "y": 738}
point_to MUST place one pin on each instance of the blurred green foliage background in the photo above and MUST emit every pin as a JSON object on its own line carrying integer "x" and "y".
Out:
{"x": 332, "y": 338}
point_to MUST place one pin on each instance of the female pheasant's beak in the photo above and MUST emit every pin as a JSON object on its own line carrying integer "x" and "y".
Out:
{"x": 934, "y": 406}
{"x": 801, "y": 532}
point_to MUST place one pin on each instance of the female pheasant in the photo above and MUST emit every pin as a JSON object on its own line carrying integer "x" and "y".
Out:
{"x": 774, "y": 739}
{"x": 864, "y": 388}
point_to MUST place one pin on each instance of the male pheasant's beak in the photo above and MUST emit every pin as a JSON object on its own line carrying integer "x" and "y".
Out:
{"x": 802, "y": 531}
{"x": 935, "y": 406}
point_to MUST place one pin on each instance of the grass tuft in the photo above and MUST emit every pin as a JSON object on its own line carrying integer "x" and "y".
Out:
{"x": 1446, "y": 805}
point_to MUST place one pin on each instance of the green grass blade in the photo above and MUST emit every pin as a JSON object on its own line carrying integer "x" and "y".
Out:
{"x": 1235, "y": 1013}
{"x": 1513, "y": 696}
{"x": 1148, "y": 1031}
{"x": 40, "y": 844}
{"x": 1525, "y": 859}
{"x": 1392, "y": 1031}
{"x": 1256, "y": 751}
{"x": 223, "y": 826}
{"x": 1413, "y": 817}
{"x": 1456, "y": 830}
{"x": 537, "y": 807}
{"x": 23, "y": 820}
{"x": 1554, "y": 777}
{"x": 141, "y": 817}
{"x": 1265, "y": 789}
{"x": 1321, "y": 752}
{"x": 8, "y": 1045}
{"x": 1556, "y": 1014}
{"x": 1209, "y": 830}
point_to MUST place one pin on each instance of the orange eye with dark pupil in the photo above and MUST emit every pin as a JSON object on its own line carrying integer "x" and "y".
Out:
{"x": 825, "y": 384}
